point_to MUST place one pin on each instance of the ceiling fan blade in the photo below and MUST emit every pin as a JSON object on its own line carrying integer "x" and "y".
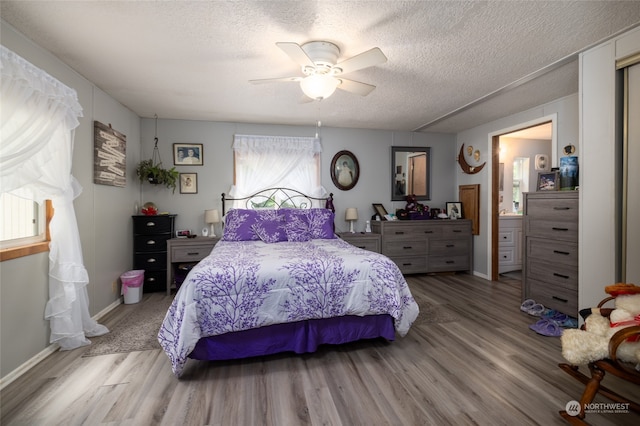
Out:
{"x": 362, "y": 89}
{"x": 363, "y": 60}
{"x": 274, "y": 80}
{"x": 295, "y": 52}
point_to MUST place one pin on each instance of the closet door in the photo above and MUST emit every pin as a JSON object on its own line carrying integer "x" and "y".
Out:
{"x": 632, "y": 163}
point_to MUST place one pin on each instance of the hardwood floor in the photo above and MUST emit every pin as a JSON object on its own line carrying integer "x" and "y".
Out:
{"x": 486, "y": 368}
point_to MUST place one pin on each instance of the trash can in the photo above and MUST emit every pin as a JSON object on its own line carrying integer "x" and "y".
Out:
{"x": 132, "y": 286}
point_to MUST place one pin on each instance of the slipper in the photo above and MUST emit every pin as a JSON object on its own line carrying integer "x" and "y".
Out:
{"x": 536, "y": 310}
{"x": 550, "y": 313}
{"x": 546, "y": 327}
{"x": 527, "y": 304}
{"x": 569, "y": 322}
{"x": 563, "y": 320}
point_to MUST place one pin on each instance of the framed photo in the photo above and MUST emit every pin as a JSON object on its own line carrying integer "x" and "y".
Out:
{"x": 380, "y": 210}
{"x": 454, "y": 210}
{"x": 188, "y": 183}
{"x": 548, "y": 181}
{"x": 187, "y": 154}
{"x": 345, "y": 170}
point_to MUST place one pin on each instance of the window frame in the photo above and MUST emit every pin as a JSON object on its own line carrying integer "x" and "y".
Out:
{"x": 31, "y": 248}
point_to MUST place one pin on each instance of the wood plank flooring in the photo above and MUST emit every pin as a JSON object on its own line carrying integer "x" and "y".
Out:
{"x": 487, "y": 368}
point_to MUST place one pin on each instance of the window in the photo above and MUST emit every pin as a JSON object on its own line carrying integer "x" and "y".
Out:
{"x": 262, "y": 162}
{"x": 23, "y": 227}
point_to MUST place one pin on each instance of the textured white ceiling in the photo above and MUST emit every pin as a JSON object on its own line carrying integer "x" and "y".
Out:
{"x": 193, "y": 59}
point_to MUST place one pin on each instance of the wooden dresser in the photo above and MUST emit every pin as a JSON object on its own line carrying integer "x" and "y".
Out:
{"x": 150, "y": 235}
{"x": 550, "y": 248}
{"x": 421, "y": 246}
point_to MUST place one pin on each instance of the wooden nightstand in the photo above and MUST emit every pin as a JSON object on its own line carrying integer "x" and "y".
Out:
{"x": 367, "y": 241}
{"x": 185, "y": 250}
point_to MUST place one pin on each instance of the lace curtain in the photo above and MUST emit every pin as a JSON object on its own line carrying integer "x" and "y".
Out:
{"x": 276, "y": 161}
{"x": 37, "y": 121}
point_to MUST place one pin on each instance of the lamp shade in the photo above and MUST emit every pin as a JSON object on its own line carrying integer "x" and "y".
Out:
{"x": 351, "y": 214}
{"x": 211, "y": 216}
{"x": 319, "y": 86}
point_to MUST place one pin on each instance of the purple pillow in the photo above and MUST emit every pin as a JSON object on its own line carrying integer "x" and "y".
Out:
{"x": 270, "y": 230}
{"x": 238, "y": 225}
{"x": 321, "y": 224}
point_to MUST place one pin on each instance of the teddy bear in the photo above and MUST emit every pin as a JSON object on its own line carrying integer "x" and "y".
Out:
{"x": 592, "y": 343}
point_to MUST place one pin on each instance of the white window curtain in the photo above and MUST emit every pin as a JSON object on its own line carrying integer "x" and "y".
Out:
{"x": 38, "y": 115}
{"x": 276, "y": 161}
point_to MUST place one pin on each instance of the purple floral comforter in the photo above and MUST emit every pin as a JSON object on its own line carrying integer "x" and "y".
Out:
{"x": 250, "y": 284}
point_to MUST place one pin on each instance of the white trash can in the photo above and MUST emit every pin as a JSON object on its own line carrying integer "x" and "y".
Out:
{"x": 132, "y": 286}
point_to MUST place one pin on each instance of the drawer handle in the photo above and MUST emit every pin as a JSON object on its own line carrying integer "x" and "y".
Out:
{"x": 152, "y": 260}
{"x": 504, "y": 238}
{"x": 151, "y": 242}
{"x": 504, "y": 257}
{"x": 360, "y": 247}
{"x": 560, "y": 299}
{"x": 151, "y": 224}
{"x": 457, "y": 230}
{"x": 559, "y": 229}
{"x": 399, "y": 232}
{"x": 566, "y": 253}
{"x": 194, "y": 253}
{"x": 562, "y": 208}
{"x": 151, "y": 279}
{"x": 428, "y": 232}
{"x": 407, "y": 247}
{"x": 450, "y": 261}
{"x": 555, "y": 274}
{"x": 450, "y": 245}
{"x": 406, "y": 264}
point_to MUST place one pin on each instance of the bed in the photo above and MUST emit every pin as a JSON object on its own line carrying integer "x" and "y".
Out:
{"x": 280, "y": 280}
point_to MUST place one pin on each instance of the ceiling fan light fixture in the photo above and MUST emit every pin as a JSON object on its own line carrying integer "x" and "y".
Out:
{"x": 319, "y": 86}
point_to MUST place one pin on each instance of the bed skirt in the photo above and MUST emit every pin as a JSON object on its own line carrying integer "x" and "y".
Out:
{"x": 299, "y": 337}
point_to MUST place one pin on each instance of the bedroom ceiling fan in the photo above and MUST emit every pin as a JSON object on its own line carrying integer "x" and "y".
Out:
{"x": 322, "y": 71}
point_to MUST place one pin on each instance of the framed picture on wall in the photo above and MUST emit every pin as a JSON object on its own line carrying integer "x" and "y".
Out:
{"x": 345, "y": 170}
{"x": 188, "y": 154}
{"x": 188, "y": 183}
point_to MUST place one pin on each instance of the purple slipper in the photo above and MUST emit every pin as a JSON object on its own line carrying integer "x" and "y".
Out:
{"x": 546, "y": 327}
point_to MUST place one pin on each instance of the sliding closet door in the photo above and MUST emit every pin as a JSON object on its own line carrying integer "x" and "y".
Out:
{"x": 632, "y": 163}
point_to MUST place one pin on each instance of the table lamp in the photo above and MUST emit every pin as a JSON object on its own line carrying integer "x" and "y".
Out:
{"x": 351, "y": 215}
{"x": 212, "y": 217}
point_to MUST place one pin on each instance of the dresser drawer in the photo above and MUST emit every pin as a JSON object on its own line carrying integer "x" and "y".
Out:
{"x": 401, "y": 230}
{"x": 151, "y": 261}
{"x": 506, "y": 237}
{"x": 410, "y": 264}
{"x": 553, "y": 273}
{"x": 449, "y": 247}
{"x": 146, "y": 225}
{"x": 154, "y": 281}
{"x": 506, "y": 256}
{"x": 565, "y": 231}
{"x": 405, "y": 248}
{"x": 456, "y": 229}
{"x": 565, "y": 209}
{"x": 449, "y": 263}
{"x": 190, "y": 254}
{"x": 554, "y": 297}
{"x": 150, "y": 243}
{"x": 553, "y": 251}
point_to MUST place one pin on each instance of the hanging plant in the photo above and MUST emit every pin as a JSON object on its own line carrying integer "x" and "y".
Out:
{"x": 147, "y": 171}
{"x": 151, "y": 170}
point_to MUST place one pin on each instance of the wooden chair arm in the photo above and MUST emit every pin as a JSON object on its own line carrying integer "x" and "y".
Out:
{"x": 605, "y": 300}
{"x": 616, "y": 340}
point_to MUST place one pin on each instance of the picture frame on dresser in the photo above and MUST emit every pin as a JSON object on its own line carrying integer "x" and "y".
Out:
{"x": 454, "y": 209}
{"x": 548, "y": 181}
{"x": 380, "y": 210}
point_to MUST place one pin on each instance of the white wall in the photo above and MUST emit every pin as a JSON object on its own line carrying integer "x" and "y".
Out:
{"x": 215, "y": 176}
{"x": 599, "y": 166}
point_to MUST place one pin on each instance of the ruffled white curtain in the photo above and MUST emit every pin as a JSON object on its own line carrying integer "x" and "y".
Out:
{"x": 276, "y": 161}
{"x": 38, "y": 115}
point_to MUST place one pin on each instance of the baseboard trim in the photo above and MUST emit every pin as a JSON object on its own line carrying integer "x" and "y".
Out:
{"x": 33, "y": 361}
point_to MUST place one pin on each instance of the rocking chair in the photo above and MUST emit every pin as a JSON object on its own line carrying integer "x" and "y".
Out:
{"x": 611, "y": 365}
